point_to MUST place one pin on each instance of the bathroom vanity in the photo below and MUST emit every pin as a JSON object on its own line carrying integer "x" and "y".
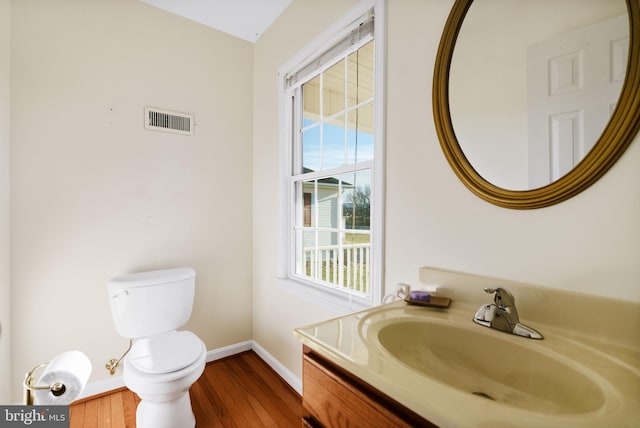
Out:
{"x": 399, "y": 365}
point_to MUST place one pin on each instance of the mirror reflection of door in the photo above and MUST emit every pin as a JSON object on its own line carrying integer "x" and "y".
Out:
{"x": 573, "y": 83}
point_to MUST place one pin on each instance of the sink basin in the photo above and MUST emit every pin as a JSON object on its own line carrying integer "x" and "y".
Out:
{"x": 492, "y": 365}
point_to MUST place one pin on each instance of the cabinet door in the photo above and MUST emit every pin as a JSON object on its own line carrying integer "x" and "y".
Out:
{"x": 336, "y": 399}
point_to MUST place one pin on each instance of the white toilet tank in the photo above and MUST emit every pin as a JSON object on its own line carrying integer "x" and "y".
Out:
{"x": 148, "y": 303}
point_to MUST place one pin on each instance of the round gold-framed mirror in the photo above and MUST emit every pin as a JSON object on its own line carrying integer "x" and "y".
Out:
{"x": 617, "y": 135}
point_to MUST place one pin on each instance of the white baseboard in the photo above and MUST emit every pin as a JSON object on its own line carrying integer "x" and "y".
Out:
{"x": 101, "y": 386}
{"x": 115, "y": 382}
{"x": 227, "y": 351}
{"x": 294, "y": 381}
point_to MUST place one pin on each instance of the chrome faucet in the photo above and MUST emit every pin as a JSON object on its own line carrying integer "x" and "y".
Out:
{"x": 503, "y": 315}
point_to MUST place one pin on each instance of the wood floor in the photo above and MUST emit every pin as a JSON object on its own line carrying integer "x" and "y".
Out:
{"x": 239, "y": 391}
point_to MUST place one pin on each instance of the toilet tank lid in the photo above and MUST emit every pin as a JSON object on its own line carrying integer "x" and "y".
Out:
{"x": 156, "y": 277}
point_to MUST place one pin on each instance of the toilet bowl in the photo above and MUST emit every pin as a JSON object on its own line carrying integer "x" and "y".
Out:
{"x": 163, "y": 362}
{"x": 162, "y": 376}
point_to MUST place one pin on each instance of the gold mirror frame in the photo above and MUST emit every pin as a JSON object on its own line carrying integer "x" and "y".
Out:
{"x": 616, "y": 137}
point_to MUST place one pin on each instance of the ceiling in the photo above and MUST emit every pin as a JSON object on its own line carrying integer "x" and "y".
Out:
{"x": 246, "y": 19}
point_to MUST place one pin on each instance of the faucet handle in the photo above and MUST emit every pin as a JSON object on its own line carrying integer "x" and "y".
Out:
{"x": 502, "y": 297}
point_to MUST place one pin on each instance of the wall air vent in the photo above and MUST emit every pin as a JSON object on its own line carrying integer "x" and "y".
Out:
{"x": 168, "y": 121}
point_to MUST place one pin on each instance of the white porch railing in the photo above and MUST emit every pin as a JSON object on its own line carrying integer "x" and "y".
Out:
{"x": 349, "y": 271}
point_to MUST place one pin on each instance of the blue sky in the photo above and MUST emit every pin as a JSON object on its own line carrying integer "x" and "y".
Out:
{"x": 333, "y": 145}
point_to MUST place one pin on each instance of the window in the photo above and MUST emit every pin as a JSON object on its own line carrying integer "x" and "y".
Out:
{"x": 333, "y": 141}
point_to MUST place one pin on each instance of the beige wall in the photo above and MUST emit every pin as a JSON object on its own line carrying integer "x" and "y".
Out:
{"x": 93, "y": 194}
{"x": 590, "y": 243}
{"x": 5, "y": 135}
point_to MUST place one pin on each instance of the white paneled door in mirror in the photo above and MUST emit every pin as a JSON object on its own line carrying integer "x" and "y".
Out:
{"x": 573, "y": 79}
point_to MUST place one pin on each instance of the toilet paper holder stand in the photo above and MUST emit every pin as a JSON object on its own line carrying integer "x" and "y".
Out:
{"x": 56, "y": 388}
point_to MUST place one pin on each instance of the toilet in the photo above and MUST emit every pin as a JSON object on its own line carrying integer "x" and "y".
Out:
{"x": 163, "y": 362}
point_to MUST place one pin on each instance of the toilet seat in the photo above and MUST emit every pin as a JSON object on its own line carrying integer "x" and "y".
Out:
{"x": 165, "y": 353}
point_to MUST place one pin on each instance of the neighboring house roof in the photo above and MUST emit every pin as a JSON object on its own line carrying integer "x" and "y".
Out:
{"x": 327, "y": 180}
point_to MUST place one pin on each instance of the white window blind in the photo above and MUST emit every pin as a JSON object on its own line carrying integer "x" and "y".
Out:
{"x": 356, "y": 34}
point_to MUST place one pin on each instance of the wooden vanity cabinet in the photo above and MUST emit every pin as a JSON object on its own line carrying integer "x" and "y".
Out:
{"x": 334, "y": 398}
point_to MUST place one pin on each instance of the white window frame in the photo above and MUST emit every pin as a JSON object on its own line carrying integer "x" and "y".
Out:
{"x": 338, "y": 301}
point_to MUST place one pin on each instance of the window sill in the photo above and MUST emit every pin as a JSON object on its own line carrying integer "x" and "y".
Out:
{"x": 331, "y": 300}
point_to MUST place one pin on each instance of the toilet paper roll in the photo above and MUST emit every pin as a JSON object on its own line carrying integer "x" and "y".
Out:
{"x": 72, "y": 369}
